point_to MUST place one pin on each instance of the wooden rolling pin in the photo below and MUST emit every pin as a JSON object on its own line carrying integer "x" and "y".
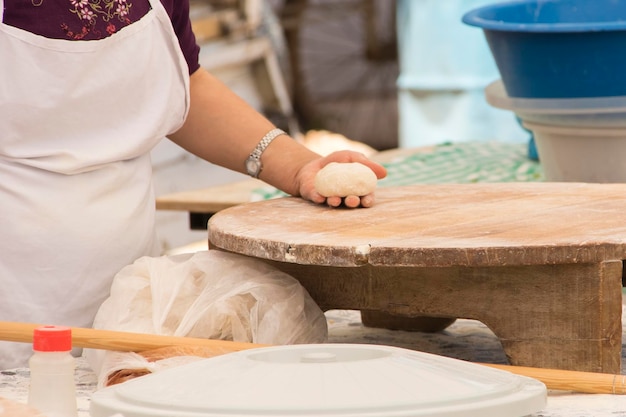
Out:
{"x": 120, "y": 341}
{"x": 577, "y": 381}
{"x": 556, "y": 379}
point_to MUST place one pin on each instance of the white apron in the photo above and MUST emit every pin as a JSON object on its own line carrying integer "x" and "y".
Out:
{"x": 77, "y": 122}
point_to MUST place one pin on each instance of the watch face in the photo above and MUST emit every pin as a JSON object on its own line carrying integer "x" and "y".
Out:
{"x": 253, "y": 166}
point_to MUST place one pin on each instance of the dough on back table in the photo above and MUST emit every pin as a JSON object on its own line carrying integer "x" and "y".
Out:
{"x": 344, "y": 179}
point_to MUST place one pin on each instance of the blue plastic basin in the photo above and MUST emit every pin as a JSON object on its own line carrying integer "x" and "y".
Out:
{"x": 557, "y": 48}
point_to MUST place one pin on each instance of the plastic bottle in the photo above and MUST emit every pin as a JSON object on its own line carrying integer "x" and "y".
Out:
{"x": 52, "y": 389}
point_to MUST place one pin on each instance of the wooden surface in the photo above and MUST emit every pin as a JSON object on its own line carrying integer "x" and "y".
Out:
{"x": 210, "y": 200}
{"x": 564, "y": 316}
{"x": 437, "y": 225}
{"x": 539, "y": 263}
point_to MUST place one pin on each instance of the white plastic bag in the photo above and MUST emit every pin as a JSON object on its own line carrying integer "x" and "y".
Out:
{"x": 208, "y": 294}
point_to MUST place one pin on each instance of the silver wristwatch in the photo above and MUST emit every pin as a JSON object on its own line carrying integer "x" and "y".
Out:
{"x": 253, "y": 163}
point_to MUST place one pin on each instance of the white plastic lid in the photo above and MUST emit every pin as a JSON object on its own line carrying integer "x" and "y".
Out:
{"x": 331, "y": 380}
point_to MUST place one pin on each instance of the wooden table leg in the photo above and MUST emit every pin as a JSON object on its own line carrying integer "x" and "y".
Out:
{"x": 551, "y": 316}
{"x": 198, "y": 221}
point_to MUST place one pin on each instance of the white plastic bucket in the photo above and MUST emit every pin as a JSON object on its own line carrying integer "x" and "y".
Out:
{"x": 592, "y": 112}
{"x": 581, "y": 154}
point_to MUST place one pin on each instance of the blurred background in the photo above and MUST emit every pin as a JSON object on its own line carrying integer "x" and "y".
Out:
{"x": 384, "y": 73}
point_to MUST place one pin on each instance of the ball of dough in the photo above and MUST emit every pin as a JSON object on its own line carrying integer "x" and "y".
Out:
{"x": 344, "y": 179}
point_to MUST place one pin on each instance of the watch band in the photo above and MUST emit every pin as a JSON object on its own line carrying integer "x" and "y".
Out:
{"x": 253, "y": 163}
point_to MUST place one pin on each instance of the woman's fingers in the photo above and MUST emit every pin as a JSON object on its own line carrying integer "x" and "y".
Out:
{"x": 351, "y": 201}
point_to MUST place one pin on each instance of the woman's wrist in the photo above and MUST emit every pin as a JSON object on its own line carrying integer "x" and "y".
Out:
{"x": 253, "y": 163}
{"x": 283, "y": 161}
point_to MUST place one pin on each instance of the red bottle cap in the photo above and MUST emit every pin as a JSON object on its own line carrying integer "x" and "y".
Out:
{"x": 52, "y": 339}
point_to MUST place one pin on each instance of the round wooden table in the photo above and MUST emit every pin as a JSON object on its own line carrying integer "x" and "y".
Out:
{"x": 539, "y": 263}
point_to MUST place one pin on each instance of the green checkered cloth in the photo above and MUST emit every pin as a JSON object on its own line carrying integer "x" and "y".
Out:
{"x": 465, "y": 162}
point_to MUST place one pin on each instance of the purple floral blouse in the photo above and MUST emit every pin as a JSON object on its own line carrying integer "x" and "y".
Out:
{"x": 84, "y": 20}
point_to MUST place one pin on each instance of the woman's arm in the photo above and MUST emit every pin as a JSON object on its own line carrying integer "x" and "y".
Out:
{"x": 223, "y": 129}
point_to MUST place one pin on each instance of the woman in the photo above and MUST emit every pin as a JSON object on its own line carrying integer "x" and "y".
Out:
{"x": 87, "y": 89}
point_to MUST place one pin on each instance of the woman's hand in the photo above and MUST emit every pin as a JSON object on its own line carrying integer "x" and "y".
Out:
{"x": 306, "y": 179}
